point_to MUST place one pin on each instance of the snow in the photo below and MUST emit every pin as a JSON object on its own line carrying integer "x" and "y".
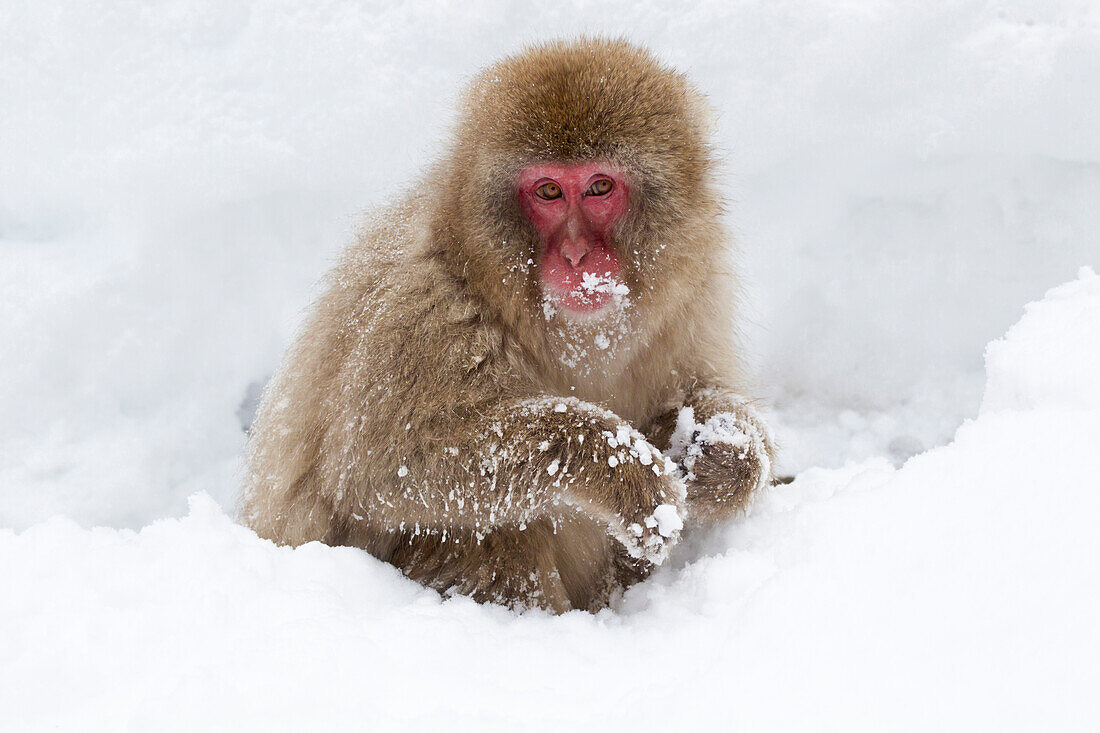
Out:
{"x": 901, "y": 178}
{"x": 958, "y": 592}
{"x": 591, "y": 283}
{"x": 667, "y": 520}
{"x": 1036, "y": 363}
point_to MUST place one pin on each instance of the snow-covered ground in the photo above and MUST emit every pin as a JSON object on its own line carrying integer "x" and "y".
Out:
{"x": 903, "y": 178}
{"x": 959, "y": 592}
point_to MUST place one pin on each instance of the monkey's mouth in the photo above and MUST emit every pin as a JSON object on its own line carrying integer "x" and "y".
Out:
{"x": 588, "y": 293}
{"x": 580, "y": 302}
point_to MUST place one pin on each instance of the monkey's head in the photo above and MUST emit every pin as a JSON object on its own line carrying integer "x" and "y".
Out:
{"x": 580, "y": 180}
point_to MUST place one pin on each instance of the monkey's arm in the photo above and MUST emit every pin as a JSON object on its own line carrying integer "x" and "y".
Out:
{"x": 723, "y": 447}
{"x": 545, "y": 457}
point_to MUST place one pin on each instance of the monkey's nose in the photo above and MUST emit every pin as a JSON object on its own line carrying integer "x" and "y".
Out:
{"x": 575, "y": 250}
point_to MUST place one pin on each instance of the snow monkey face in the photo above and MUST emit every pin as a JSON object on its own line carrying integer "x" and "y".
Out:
{"x": 575, "y": 209}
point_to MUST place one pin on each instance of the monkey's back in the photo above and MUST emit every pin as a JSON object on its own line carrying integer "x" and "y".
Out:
{"x": 387, "y": 357}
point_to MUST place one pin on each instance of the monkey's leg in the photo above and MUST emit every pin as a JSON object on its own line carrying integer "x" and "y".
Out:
{"x": 723, "y": 448}
{"x": 512, "y": 567}
{"x": 296, "y": 516}
{"x": 589, "y": 563}
{"x": 562, "y": 565}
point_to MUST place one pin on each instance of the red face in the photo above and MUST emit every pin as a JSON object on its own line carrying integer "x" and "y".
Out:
{"x": 575, "y": 209}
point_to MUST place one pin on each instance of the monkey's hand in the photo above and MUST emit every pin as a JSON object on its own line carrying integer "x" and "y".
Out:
{"x": 608, "y": 471}
{"x": 724, "y": 460}
{"x": 635, "y": 492}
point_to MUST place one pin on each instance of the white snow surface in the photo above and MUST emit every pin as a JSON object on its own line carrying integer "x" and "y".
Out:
{"x": 902, "y": 178}
{"x": 959, "y": 592}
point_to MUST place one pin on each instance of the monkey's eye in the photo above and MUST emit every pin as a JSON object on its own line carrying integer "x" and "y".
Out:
{"x": 548, "y": 191}
{"x": 601, "y": 187}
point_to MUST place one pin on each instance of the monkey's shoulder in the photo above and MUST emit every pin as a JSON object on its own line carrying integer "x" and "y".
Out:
{"x": 402, "y": 317}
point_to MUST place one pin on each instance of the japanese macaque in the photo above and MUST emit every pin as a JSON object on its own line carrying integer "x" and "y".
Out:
{"x": 522, "y": 380}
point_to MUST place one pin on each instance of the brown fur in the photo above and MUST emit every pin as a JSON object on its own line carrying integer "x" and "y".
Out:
{"x": 432, "y": 414}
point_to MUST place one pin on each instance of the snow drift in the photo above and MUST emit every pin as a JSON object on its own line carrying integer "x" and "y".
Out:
{"x": 959, "y": 592}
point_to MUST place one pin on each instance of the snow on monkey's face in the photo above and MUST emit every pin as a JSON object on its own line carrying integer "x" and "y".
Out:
{"x": 574, "y": 208}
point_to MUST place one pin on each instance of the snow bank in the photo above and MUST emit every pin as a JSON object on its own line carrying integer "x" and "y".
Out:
{"x": 959, "y": 592}
{"x": 1043, "y": 362}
